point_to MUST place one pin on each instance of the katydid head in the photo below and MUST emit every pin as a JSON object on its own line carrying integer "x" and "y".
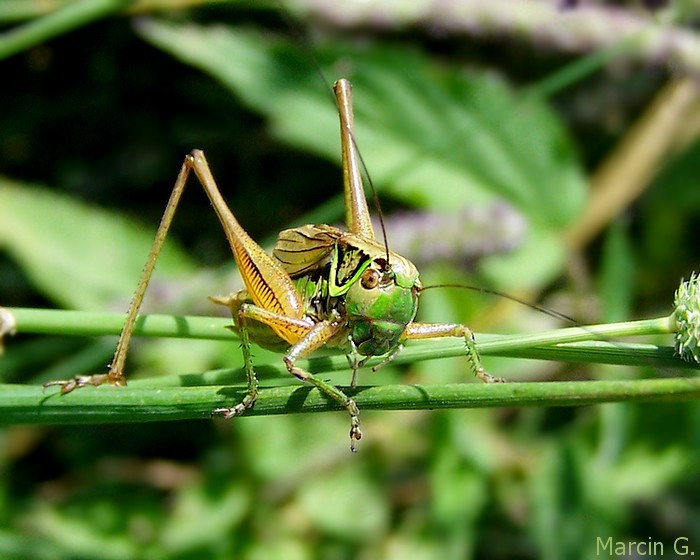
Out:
{"x": 381, "y": 303}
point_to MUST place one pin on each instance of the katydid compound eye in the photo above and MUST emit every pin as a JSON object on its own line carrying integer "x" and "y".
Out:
{"x": 369, "y": 279}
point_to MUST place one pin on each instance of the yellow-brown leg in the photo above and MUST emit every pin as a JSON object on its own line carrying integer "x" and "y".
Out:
{"x": 441, "y": 330}
{"x": 115, "y": 375}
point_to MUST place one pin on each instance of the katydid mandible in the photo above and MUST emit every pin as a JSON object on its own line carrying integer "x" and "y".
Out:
{"x": 322, "y": 286}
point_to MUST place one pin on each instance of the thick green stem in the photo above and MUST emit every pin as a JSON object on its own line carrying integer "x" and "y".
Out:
{"x": 85, "y": 323}
{"x": 30, "y": 405}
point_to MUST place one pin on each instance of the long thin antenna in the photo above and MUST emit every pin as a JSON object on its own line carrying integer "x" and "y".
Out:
{"x": 545, "y": 310}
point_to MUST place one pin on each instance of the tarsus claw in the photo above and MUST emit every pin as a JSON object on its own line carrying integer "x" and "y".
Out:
{"x": 111, "y": 378}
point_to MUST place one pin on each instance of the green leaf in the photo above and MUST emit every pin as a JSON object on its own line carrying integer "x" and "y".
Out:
{"x": 78, "y": 256}
{"x": 432, "y": 137}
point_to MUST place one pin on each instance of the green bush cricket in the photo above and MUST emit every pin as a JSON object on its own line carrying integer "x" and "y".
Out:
{"x": 321, "y": 287}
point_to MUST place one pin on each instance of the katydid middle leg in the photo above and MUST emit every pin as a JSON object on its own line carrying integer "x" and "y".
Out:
{"x": 314, "y": 336}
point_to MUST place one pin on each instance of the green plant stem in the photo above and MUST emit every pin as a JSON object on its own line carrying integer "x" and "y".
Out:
{"x": 575, "y": 344}
{"x": 56, "y": 23}
{"x": 85, "y": 323}
{"x": 30, "y": 405}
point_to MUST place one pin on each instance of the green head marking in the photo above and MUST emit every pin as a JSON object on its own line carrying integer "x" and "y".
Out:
{"x": 346, "y": 270}
{"x": 381, "y": 303}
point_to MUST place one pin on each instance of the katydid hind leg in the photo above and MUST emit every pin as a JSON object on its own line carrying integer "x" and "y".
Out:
{"x": 357, "y": 216}
{"x": 268, "y": 284}
{"x": 115, "y": 376}
{"x": 417, "y": 330}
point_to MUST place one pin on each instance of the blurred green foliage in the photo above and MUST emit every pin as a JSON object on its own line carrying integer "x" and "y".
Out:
{"x": 94, "y": 126}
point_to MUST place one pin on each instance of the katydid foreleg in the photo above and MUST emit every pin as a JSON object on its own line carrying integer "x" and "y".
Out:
{"x": 441, "y": 330}
{"x": 319, "y": 335}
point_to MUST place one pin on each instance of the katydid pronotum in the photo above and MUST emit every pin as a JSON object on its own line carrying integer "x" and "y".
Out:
{"x": 322, "y": 286}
